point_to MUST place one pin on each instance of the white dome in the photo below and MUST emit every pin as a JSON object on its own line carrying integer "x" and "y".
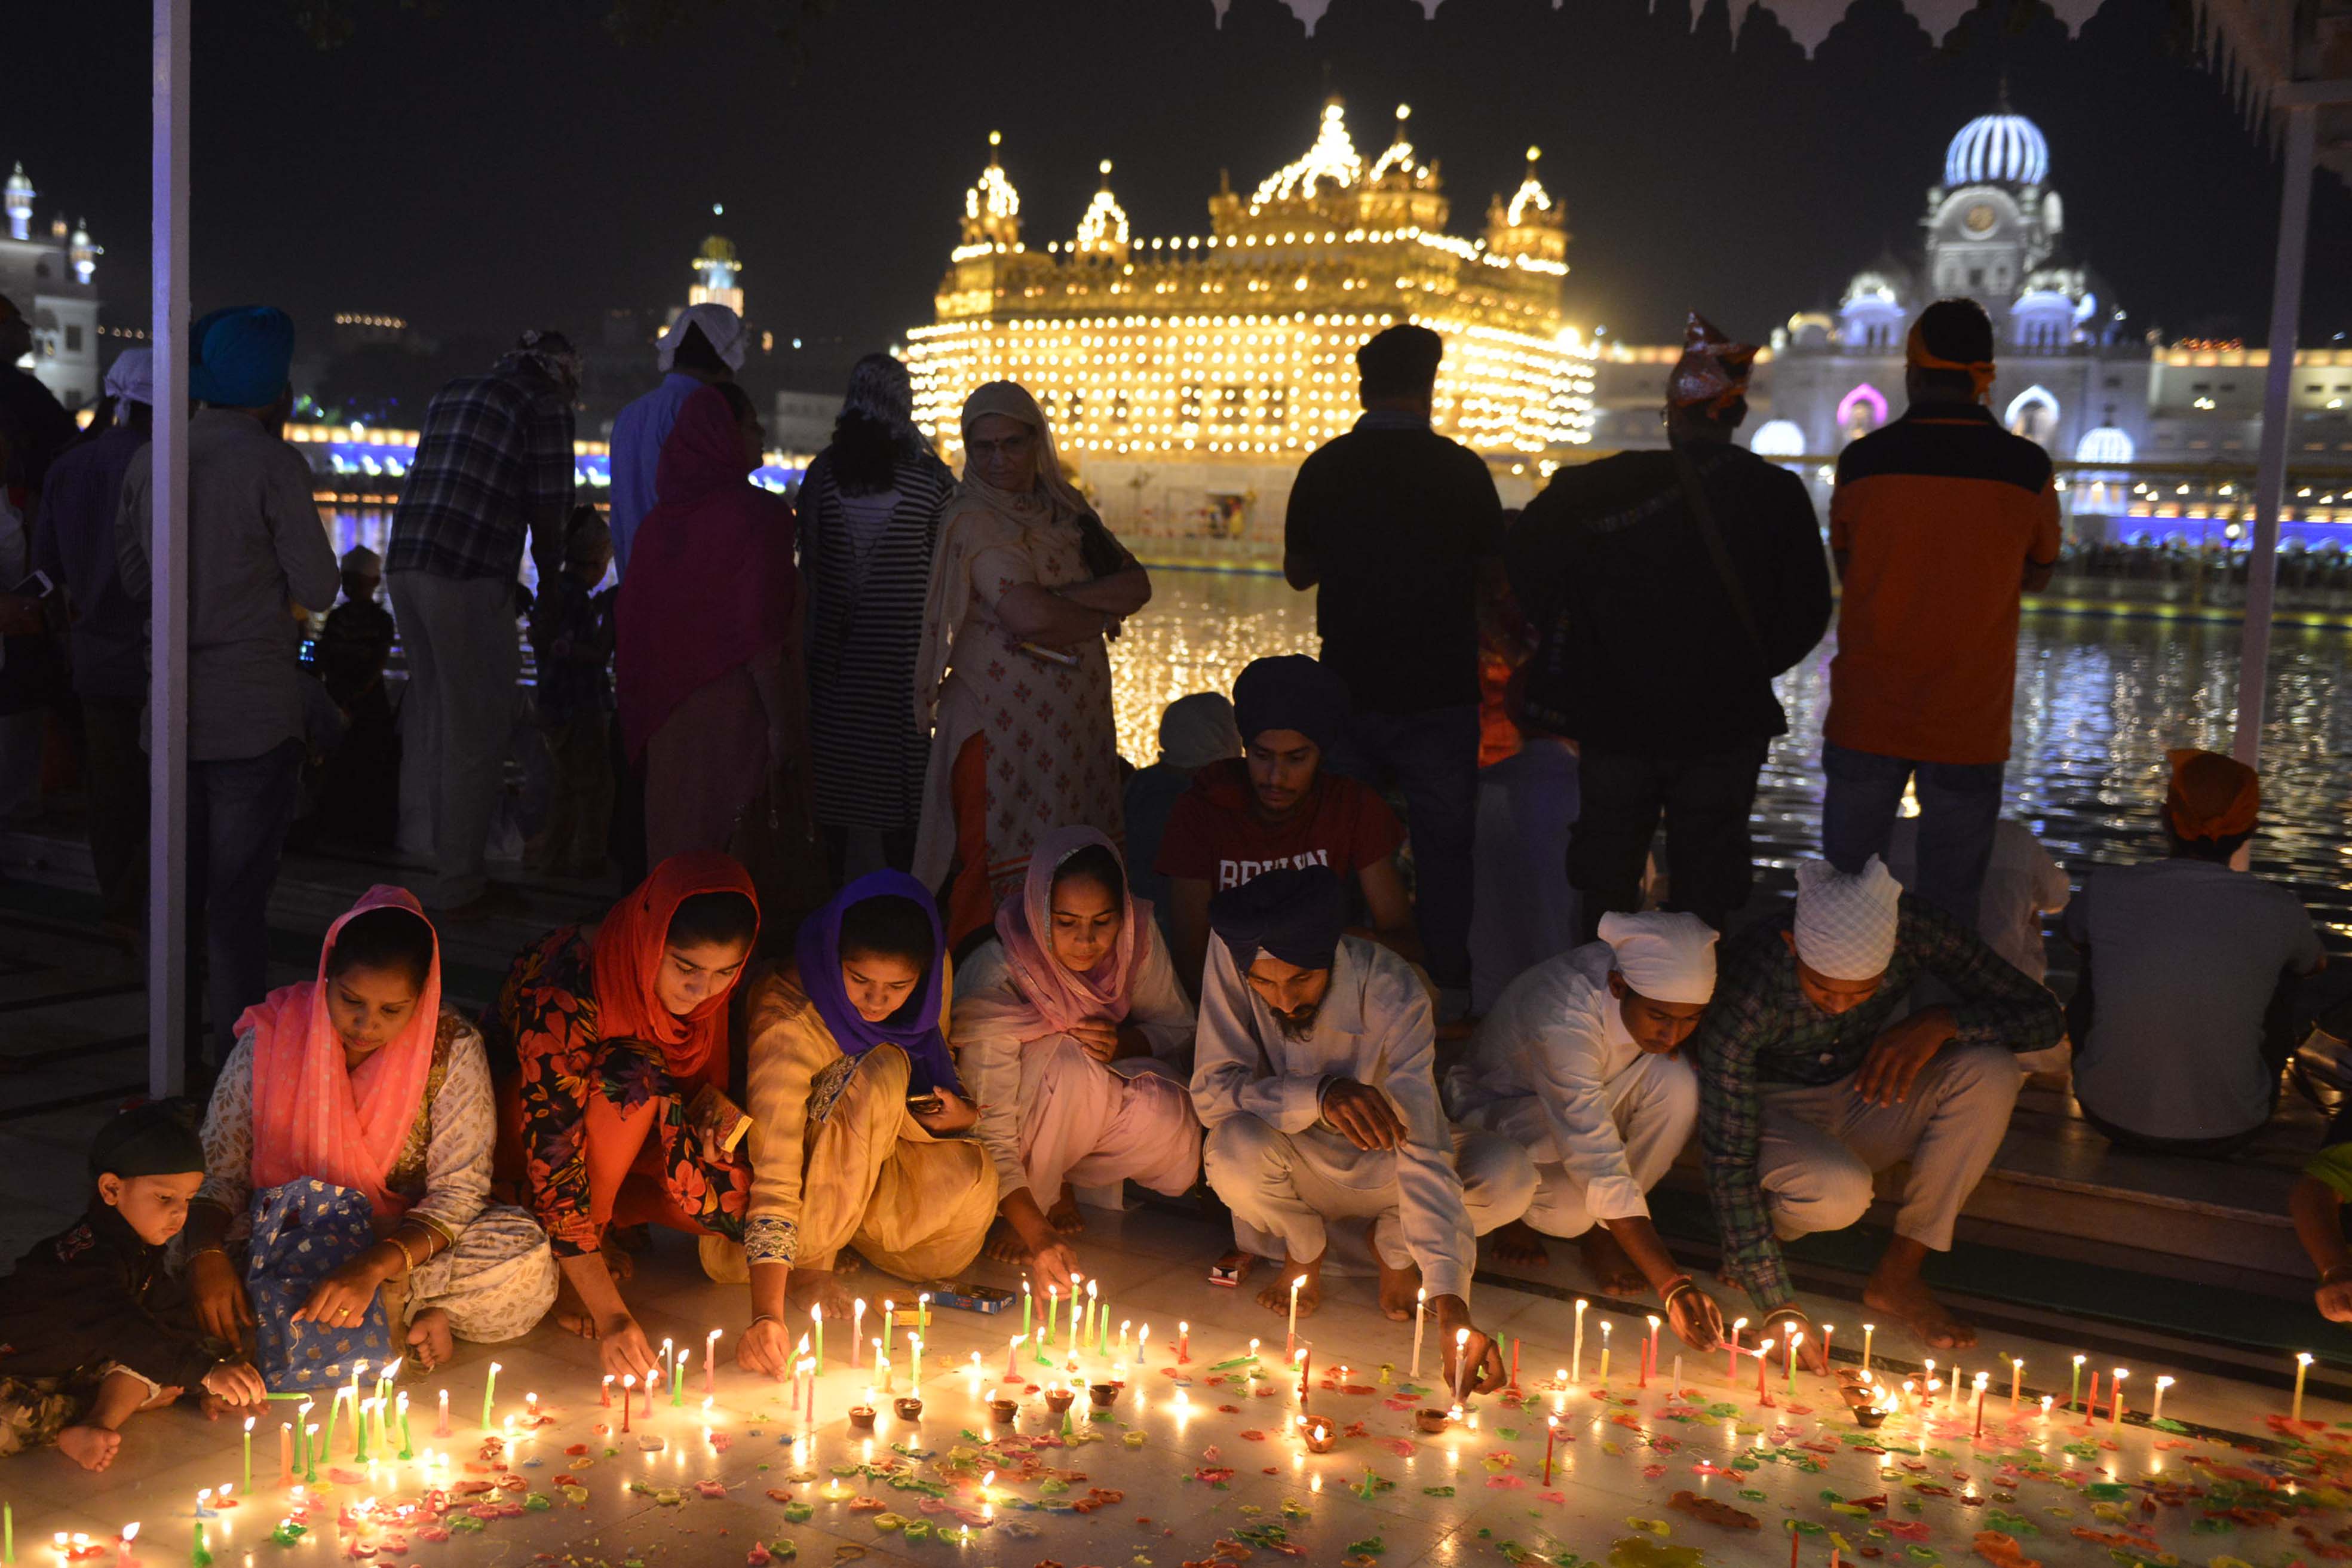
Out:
{"x": 2104, "y": 444}
{"x": 2003, "y": 149}
{"x": 1778, "y": 438}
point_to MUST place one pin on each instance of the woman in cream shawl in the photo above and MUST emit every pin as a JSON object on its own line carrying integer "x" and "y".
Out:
{"x": 1013, "y": 681}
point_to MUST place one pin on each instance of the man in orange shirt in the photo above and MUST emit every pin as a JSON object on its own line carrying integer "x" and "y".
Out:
{"x": 1938, "y": 521}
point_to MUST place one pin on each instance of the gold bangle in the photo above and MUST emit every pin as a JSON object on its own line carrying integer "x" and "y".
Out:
{"x": 402, "y": 1247}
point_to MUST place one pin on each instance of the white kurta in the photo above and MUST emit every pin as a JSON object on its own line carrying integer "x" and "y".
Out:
{"x": 1554, "y": 1067}
{"x": 1049, "y": 1111}
{"x": 1374, "y": 1027}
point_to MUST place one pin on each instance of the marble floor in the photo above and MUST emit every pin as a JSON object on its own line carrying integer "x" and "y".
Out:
{"x": 1191, "y": 1465}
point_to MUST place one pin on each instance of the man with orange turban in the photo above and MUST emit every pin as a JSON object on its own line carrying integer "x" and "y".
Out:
{"x": 2186, "y": 1011}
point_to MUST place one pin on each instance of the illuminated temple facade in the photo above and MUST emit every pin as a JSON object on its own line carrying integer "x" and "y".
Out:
{"x": 1186, "y": 377}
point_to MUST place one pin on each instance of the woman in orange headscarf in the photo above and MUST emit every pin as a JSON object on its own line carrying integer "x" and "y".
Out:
{"x": 613, "y": 1100}
{"x": 361, "y": 1079}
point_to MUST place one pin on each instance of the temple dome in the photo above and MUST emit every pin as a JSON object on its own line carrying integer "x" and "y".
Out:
{"x": 1999, "y": 149}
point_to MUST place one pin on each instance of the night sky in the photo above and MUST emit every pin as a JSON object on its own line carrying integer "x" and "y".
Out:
{"x": 508, "y": 162}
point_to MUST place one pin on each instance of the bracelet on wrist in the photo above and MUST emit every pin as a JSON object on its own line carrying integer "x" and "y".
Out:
{"x": 1675, "y": 1287}
{"x": 759, "y": 1318}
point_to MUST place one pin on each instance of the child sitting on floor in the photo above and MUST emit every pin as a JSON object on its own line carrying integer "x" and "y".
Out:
{"x": 91, "y": 1329}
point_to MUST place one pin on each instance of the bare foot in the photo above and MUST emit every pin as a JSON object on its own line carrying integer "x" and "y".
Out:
{"x": 1518, "y": 1244}
{"x": 819, "y": 1287}
{"x": 630, "y": 1238}
{"x": 91, "y": 1447}
{"x": 1606, "y": 1261}
{"x": 847, "y": 1263}
{"x": 1915, "y": 1307}
{"x": 1400, "y": 1289}
{"x": 1064, "y": 1215}
{"x": 618, "y": 1261}
{"x": 430, "y": 1339}
{"x": 571, "y": 1313}
{"x": 1275, "y": 1297}
{"x": 1004, "y": 1245}
{"x": 1233, "y": 1267}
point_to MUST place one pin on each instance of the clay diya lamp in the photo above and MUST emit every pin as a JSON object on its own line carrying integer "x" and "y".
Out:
{"x": 1870, "y": 1417}
{"x": 1058, "y": 1400}
{"x": 1104, "y": 1394}
{"x": 908, "y": 1409}
{"x": 1433, "y": 1420}
{"x": 1318, "y": 1435}
{"x": 861, "y": 1418}
{"x": 1004, "y": 1410}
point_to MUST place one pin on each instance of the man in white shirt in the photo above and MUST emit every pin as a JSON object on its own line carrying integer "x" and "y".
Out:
{"x": 1313, "y": 1074}
{"x": 1578, "y": 1065}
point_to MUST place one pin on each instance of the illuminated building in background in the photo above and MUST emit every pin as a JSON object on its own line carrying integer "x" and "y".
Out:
{"x": 49, "y": 272}
{"x": 1187, "y": 376}
{"x": 716, "y": 271}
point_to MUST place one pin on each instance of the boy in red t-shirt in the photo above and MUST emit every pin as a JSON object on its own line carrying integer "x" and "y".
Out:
{"x": 1278, "y": 806}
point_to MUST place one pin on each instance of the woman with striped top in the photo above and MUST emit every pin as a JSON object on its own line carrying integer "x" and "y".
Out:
{"x": 869, "y": 518}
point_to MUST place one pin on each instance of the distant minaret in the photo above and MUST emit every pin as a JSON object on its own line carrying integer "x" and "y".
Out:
{"x": 85, "y": 254}
{"x": 20, "y": 205}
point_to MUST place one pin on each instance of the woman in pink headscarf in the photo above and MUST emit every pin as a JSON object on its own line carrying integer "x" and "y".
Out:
{"x": 360, "y": 1079}
{"x": 1078, "y": 1041}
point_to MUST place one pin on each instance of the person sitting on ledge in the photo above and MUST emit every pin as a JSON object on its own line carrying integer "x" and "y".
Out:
{"x": 2187, "y": 1008}
{"x": 1312, "y": 1073}
{"x": 1809, "y": 1084}
{"x": 92, "y": 1327}
{"x": 1280, "y": 805}
{"x": 1578, "y": 1065}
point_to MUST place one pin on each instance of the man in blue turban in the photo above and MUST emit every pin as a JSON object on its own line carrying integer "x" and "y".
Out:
{"x": 266, "y": 564}
{"x": 1313, "y": 1074}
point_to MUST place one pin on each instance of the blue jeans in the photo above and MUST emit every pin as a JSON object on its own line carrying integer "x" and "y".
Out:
{"x": 238, "y": 812}
{"x": 1432, "y": 757}
{"x": 1959, "y": 802}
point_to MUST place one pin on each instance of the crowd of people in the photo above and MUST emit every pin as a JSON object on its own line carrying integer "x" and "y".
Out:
{"x": 918, "y": 962}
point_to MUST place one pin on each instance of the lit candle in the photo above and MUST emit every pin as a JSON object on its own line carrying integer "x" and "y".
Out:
{"x": 1731, "y": 1351}
{"x": 2302, "y": 1366}
{"x": 810, "y": 1367}
{"x": 605, "y": 1395}
{"x": 628, "y": 1396}
{"x": 1028, "y": 1302}
{"x": 1650, "y": 1364}
{"x": 2156, "y": 1411}
{"x": 441, "y": 1430}
{"x": 1053, "y": 1313}
{"x": 1763, "y": 1358}
{"x": 1123, "y": 1323}
{"x": 1077, "y": 1322}
{"x": 286, "y": 1453}
{"x": 1982, "y": 1378}
{"x": 890, "y": 1325}
{"x": 1789, "y": 1357}
{"x": 310, "y": 1452}
{"x": 2115, "y": 1400}
{"x": 1461, "y": 1362}
{"x": 1867, "y": 1330}
{"x": 668, "y": 1360}
{"x": 2047, "y": 1400}
{"x": 857, "y": 1328}
{"x": 1142, "y": 1347}
{"x": 2074, "y": 1389}
{"x": 923, "y": 1311}
{"x": 1013, "y": 1356}
{"x": 1551, "y": 1434}
{"x": 407, "y": 1449}
{"x": 915, "y": 1371}
{"x": 249, "y": 1453}
{"x": 710, "y": 1353}
{"x": 360, "y": 1448}
{"x": 678, "y": 1379}
{"x": 122, "y": 1548}
{"x": 1183, "y": 1342}
{"x": 1102, "y": 1320}
{"x": 1420, "y": 1306}
{"x": 2016, "y": 1373}
{"x": 1576, "y": 1351}
{"x": 882, "y": 1365}
{"x": 1604, "y": 1353}
{"x": 489, "y": 1389}
{"x": 1827, "y": 1329}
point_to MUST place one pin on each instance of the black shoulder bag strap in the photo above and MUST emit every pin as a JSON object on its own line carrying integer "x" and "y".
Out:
{"x": 1703, "y": 515}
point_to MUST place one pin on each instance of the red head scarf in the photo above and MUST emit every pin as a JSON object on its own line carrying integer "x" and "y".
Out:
{"x": 2211, "y": 796}
{"x": 629, "y": 956}
{"x": 314, "y": 1117}
{"x": 710, "y": 583}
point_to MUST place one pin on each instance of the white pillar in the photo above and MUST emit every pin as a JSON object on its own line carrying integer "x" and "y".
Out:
{"x": 167, "y": 547}
{"x": 2270, "y": 475}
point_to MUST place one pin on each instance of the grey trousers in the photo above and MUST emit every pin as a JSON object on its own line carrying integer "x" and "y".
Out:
{"x": 465, "y": 656}
{"x": 1821, "y": 1145}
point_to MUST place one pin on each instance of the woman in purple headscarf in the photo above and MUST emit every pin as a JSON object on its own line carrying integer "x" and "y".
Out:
{"x": 857, "y": 1114}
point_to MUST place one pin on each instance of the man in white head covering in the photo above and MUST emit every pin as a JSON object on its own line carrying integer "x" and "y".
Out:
{"x": 1810, "y": 1083}
{"x": 1578, "y": 1063}
{"x": 703, "y": 346}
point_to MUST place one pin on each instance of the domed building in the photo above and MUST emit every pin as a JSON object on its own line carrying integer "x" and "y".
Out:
{"x": 49, "y": 270}
{"x": 1188, "y": 375}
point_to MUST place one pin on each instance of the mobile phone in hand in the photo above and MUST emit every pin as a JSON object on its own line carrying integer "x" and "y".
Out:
{"x": 37, "y": 585}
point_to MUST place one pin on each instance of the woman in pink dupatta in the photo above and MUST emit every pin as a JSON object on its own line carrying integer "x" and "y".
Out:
{"x": 1072, "y": 1032}
{"x": 360, "y": 1079}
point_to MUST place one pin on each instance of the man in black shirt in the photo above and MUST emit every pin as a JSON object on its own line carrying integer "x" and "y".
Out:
{"x": 1660, "y": 644}
{"x": 1396, "y": 528}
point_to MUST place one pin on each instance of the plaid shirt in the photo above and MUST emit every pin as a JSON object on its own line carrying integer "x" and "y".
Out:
{"x": 494, "y": 461}
{"x": 1760, "y": 1031}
